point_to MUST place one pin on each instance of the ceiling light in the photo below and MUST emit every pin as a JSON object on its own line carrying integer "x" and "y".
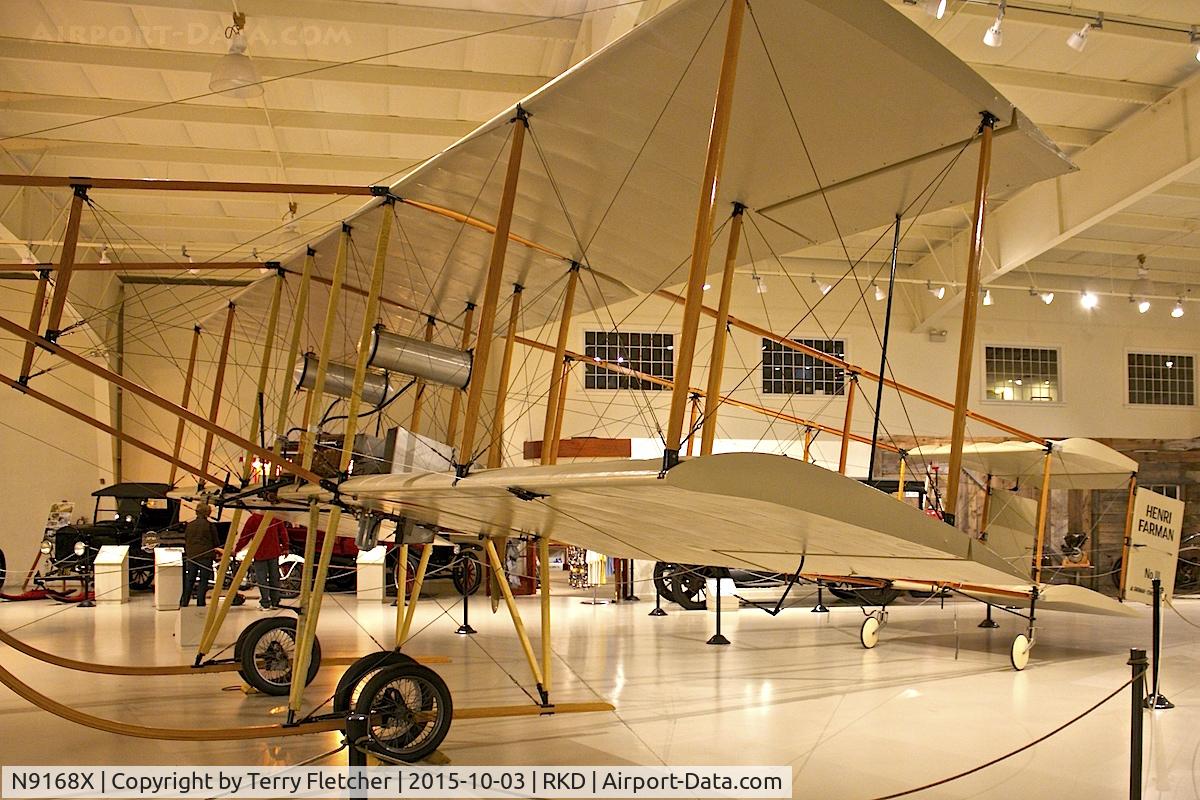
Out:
{"x": 987, "y": 297}
{"x": 879, "y": 292}
{"x": 235, "y": 74}
{"x": 760, "y": 286}
{"x": 934, "y": 8}
{"x": 824, "y": 287}
{"x": 1047, "y": 297}
{"x": 1078, "y": 40}
{"x": 1195, "y": 39}
{"x": 28, "y": 257}
{"x": 104, "y": 259}
{"x": 1089, "y": 300}
{"x": 1177, "y": 311}
{"x": 937, "y": 291}
{"x": 1142, "y": 288}
{"x": 1142, "y": 305}
{"x": 707, "y": 286}
{"x": 994, "y": 37}
{"x": 290, "y": 224}
{"x": 183, "y": 252}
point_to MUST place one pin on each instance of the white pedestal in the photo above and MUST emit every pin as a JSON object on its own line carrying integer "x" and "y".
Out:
{"x": 111, "y": 574}
{"x": 168, "y": 577}
{"x": 728, "y": 601}
{"x": 189, "y": 625}
{"x": 372, "y": 574}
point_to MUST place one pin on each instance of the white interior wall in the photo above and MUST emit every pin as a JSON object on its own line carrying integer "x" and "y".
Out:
{"x": 47, "y": 455}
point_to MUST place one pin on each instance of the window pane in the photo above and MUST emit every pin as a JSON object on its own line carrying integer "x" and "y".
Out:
{"x": 649, "y": 353}
{"x": 1023, "y": 374}
{"x": 1161, "y": 379}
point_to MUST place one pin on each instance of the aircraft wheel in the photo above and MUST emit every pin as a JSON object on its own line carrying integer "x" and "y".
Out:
{"x": 868, "y": 634}
{"x": 1019, "y": 655}
{"x": 410, "y": 712}
{"x": 689, "y": 587}
{"x": 268, "y": 653}
{"x": 468, "y": 572}
{"x": 357, "y": 674}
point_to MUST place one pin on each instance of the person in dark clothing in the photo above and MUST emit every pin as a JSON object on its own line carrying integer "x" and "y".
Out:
{"x": 201, "y": 542}
{"x": 274, "y": 543}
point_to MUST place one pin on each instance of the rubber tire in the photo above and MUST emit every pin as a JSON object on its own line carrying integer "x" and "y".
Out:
{"x": 1018, "y": 654}
{"x": 3, "y": 569}
{"x": 359, "y": 672}
{"x": 864, "y": 596}
{"x": 868, "y": 634}
{"x": 141, "y": 578}
{"x": 689, "y": 589}
{"x": 249, "y": 669}
{"x": 377, "y": 683}
{"x": 465, "y": 584}
{"x": 662, "y": 579}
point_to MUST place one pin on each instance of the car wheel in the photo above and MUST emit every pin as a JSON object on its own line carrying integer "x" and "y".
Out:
{"x": 689, "y": 587}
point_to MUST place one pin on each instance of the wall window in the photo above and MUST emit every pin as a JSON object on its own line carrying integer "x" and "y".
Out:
{"x": 1171, "y": 490}
{"x": 1022, "y": 374}
{"x": 651, "y": 353}
{"x": 786, "y": 371}
{"x": 1161, "y": 379}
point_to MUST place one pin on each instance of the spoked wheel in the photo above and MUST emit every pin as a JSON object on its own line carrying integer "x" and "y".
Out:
{"x": 1187, "y": 571}
{"x": 689, "y": 587}
{"x": 141, "y": 578}
{"x": 468, "y": 572}
{"x": 662, "y": 578}
{"x": 863, "y": 595}
{"x": 268, "y": 652}
{"x": 355, "y": 677}
{"x": 1019, "y": 655}
{"x": 868, "y": 634}
{"x": 410, "y": 711}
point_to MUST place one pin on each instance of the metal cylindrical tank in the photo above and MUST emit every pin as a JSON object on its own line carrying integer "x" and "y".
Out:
{"x": 431, "y": 362}
{"x": 339, "y": 380}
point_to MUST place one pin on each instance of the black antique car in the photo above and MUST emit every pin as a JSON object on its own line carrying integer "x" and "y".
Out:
{"x": 129, "y": 511}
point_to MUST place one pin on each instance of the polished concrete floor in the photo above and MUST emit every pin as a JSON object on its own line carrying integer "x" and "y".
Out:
{"x": 936, "y": 697}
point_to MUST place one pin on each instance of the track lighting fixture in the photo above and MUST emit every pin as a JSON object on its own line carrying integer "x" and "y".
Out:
{"x": 880, "y": 293}
{"x": 934, "y": 8}
{"x": 987, "y": 297}
{"x": 28, "y": 257}
{"x": 1089, "y": 300}
{"x": 183, "y": 251}
{"x": 938, "y": 292}
{"x": 994, "y": 36}
{"x": 290, "y": 223}
{"x": 1078, "y": 40}
{"x": 1142, "y": 288}
{"x": 825, "y": 288}
{"x": 1177, "y": 311}
{"x": 104, "y": 259}
{"x": 760, "y": 286}
{"x": 235, "y": 74}
{"x": 1194, "y": 38}
{"x": 1047, "y": 297}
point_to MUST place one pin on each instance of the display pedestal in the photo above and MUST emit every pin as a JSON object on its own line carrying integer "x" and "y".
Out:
{"x": 372, "y": 574}
{"x": 189, "y": 626}
{"x": 168, "y": 577}
{"x": 728, "y": 601}
{"x": 111, "y": 574}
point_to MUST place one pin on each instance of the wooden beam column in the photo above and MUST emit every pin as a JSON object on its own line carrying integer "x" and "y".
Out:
{"x": 456, "y": 398}
{"x": 318, "y": 390}
{"x": 35, "y": 322}
{"x": 496, "y": 448}
{"x": 218, "y": 384}
{"x": 556, "y": 367}
{"x": 491, "y": 294}
{"x": 187, "y": 398}
{"x": 66, "y": 265}
{"x": 1043, "y": 512}
{"x": 851, "y": 390}
{"x": 966, "y": 344}
{"x": 419, "y": 397}
{"x": 714, "y": 161}
{"x": 716, "y": 362}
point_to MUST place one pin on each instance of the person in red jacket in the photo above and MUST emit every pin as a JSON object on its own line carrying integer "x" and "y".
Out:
{"x": 266, "y": 560}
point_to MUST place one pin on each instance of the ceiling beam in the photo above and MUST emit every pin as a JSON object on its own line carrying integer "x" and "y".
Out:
{"x": 47, "y": 52}
{"x": 91, "y": 152}
{"x": 1065, "y": 136}
{"x": 1151, "y": 150}
{"x": 1100, "y": 88}
{"x": 1184, "y": 191}
{"x": 70, "y": 106}
{"x": 372, "y": 13}
{"x": 1083, "y": 244}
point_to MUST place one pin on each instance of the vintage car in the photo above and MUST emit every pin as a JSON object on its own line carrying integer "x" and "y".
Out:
{"x": 129, "y": 511}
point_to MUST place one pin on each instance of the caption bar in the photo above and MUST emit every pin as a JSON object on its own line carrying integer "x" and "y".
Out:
{"x": 390, "y": 782}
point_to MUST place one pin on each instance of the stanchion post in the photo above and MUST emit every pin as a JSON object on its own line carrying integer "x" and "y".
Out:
{"x": 718, "y": 638}
{"x": 465, "y": 629}
{"x": 357, "y": 731}
{"x": 1156, "y": 699}
{"x": 1137, "y": 663}
{"x": 820, "y": 608}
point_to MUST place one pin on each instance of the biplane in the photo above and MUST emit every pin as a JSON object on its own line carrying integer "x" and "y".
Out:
{"x": 630, "y": 174}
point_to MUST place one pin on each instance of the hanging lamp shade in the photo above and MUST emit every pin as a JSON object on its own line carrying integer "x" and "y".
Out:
{"x": 235, "y": 74}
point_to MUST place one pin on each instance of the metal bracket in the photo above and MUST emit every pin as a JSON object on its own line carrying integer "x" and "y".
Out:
{"x": 526, "y": 494}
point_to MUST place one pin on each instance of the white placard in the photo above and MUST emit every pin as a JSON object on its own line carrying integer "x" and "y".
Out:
{"x": 1153, "y": 545}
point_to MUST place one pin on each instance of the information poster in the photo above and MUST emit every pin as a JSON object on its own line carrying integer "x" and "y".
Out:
{"x": 1153, "y": 545}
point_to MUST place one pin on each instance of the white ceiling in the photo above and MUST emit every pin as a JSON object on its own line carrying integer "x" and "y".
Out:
{"x": 67, "y": 62}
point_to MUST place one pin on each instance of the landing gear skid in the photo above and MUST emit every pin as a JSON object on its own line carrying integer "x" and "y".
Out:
{"x": 868, "y": 634}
